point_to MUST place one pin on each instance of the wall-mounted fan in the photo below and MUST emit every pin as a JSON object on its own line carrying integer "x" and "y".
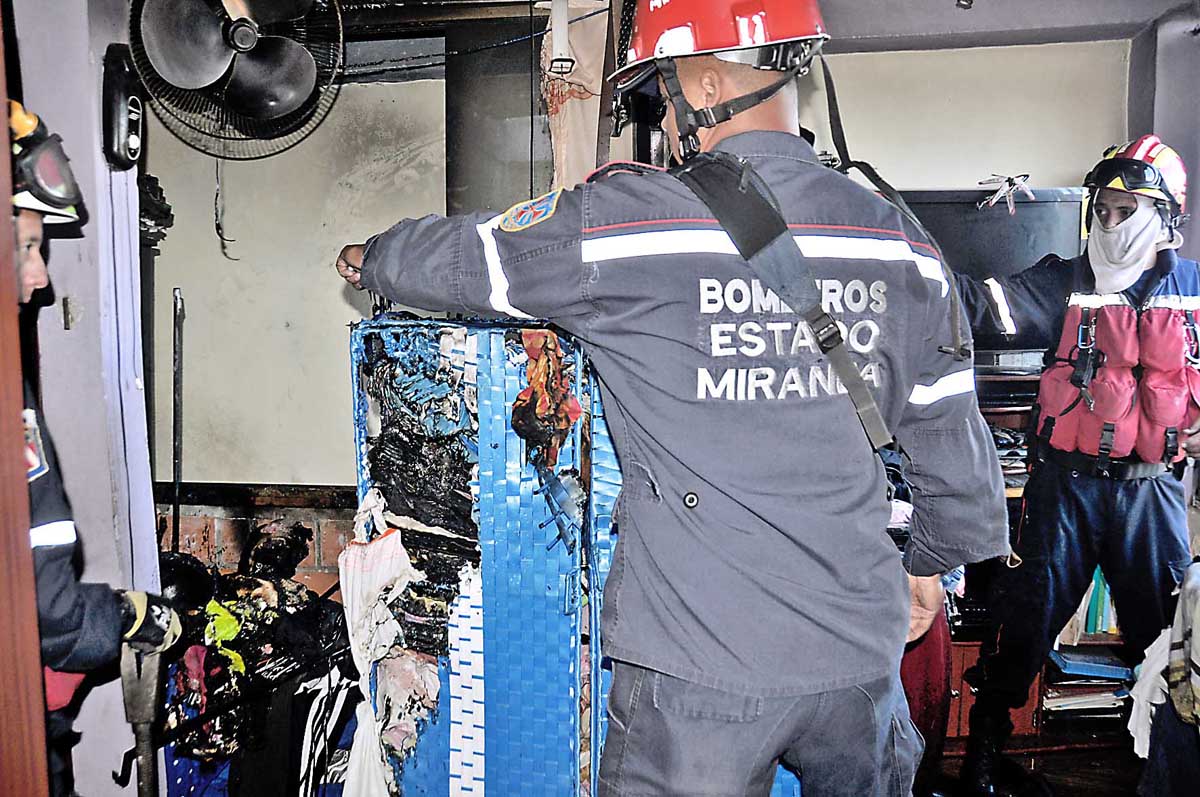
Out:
{"x": 238, "y": 79}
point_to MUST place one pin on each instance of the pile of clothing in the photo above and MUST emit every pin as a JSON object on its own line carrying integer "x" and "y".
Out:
{"x": 251, "y": 638}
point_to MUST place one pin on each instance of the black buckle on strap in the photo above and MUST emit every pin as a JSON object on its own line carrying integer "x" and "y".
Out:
{"x": 707, "y": 117}
{"x": 826, "y": 331}
{"x": 1172, "y": 447}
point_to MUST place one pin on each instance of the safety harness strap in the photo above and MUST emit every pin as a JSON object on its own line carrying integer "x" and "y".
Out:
{"x": 1104, "y": 458}
{"x": 744, "y": 206}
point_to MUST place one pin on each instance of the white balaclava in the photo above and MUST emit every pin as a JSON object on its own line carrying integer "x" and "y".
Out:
{"x": 1121, "y": 255}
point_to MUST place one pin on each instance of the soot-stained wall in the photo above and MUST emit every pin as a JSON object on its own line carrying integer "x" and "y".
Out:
{"x": 266, "y": 363}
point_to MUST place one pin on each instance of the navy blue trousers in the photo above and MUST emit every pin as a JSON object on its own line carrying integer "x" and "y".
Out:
{"x": 1135, "y": 530}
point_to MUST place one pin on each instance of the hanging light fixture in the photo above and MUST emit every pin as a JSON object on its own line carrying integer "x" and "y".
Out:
{"x": 965, "y": 4}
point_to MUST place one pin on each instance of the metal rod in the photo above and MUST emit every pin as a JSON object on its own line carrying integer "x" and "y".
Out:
{"x": 177, "y": 415}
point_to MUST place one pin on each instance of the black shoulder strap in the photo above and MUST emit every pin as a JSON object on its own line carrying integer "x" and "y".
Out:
{"x": 743, "y": 204}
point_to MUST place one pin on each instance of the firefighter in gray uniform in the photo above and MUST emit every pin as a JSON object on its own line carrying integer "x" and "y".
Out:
{"x": 756, "y": 610}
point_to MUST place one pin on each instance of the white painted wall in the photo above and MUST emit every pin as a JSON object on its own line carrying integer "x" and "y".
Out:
{"x": 266, "y": 344}
{"x": 267, "y": 371}
{"x": 950, "y": 118}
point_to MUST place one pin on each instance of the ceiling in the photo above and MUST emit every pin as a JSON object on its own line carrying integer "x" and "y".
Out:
{"x": 857, "y": 25}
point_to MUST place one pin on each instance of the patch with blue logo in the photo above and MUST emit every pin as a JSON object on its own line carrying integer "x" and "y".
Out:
{"x": 36, "y": 465}
{"x": 524, "y": 215}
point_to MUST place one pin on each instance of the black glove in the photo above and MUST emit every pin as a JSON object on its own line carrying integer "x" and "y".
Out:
{"x": 150, "y": 624}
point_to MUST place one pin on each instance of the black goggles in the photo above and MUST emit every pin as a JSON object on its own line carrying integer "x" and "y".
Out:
{"x": 43, "y": 169}
{"x": 1134, "y": 174}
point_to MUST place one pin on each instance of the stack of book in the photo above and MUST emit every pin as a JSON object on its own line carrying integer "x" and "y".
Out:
{"x": 1101, "y": 616}
{"x": 1087, "y": 688}
{"x": 1095, "y": 619}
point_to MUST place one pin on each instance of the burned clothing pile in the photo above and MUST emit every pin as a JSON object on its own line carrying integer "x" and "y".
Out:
{"x": 246, "y": 633}
{"x": 408, "y": 566}
{"x": 411, "y": 580}
{"x": 423, "y": 456}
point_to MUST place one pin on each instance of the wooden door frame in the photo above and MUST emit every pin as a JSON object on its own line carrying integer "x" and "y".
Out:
{"x": 22, "y": 701}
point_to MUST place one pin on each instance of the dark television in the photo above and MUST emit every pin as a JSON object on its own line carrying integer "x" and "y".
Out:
{"x": 989, "y": 242}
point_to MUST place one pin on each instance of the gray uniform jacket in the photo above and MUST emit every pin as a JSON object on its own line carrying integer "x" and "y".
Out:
{"x": 752, "y": 552}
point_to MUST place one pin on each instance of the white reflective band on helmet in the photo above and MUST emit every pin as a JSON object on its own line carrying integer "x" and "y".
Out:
{"x": 718, "y": 242}
{"x": 1094, "y": 301}
{"x": 60, "y": 532}
{"x": 1001, "y": 302}
{"x": 498, "y": 298}
{"x": 955, "y": 384}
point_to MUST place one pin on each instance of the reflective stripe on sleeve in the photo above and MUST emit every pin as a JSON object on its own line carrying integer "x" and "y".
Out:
{"x": 60, "y": 532}
{"x": 498, "y": 298}
{"x": 1001, "y": 302}
{"x": 955, "y": 384}
{"x": 663, "y": 242}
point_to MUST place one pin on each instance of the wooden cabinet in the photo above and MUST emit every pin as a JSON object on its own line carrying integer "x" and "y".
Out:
{"x": 963, "y": 655}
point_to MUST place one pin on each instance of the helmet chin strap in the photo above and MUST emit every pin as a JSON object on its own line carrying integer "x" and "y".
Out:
{"x": 689, "y": 120}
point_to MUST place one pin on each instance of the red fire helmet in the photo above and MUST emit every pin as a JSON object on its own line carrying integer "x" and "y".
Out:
{"x": 739, "y": 29}
{"x": 1144, "y": 166}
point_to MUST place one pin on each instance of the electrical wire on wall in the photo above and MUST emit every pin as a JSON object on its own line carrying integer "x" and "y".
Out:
{"x": 406, "y": 63}
{"x": 219, "y": 216}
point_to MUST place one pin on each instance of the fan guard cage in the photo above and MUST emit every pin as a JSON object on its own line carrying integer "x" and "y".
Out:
{"x": 202, "y": 121}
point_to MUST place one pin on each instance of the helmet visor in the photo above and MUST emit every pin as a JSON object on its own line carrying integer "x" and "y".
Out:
{"x": 45, "y": 172}
{"x": 1133, "y": 174}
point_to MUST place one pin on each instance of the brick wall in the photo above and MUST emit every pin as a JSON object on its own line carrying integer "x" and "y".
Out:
{"x": 216, "y": 535}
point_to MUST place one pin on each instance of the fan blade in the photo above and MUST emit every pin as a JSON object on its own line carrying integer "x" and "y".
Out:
{"x": 267, "y": 12}
{"x": 272, "y": 80}
{"x": 185, "y": 43}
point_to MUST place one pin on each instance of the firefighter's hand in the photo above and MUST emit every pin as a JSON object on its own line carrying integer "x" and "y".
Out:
{"x": 927, "y": 597}
{"x": 150, "y": 624}
{"x": 1191, "y": 440}
{"x": 349, "y": 264}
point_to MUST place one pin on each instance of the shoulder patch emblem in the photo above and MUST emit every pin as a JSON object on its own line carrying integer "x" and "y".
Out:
{"x": 36, "y": 465}
{"x": 524, "y": 215}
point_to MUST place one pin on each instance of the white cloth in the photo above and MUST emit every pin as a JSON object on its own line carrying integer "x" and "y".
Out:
{"x": 1149, "y": 692}
{"x": 1120, "y": 255}
{"x": 370, "y": 573}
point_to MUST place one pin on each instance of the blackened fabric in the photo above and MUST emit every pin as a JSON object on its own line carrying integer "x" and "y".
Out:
{"x": 80, "y": 624}
{"x": 752, "y": 553}
{"x": 1135, "y": 530}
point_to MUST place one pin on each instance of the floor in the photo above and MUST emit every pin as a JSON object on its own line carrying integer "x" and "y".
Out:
{"x": 1089, "y": 773}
